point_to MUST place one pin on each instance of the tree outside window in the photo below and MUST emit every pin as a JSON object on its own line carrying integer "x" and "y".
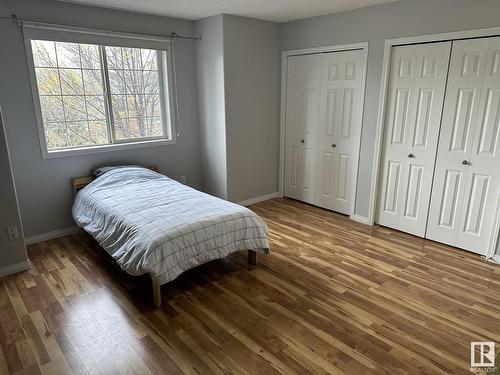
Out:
{"x": 94, "y": 95}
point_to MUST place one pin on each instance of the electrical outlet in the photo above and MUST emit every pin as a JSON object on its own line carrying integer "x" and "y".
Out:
{"x": 183, "y": 179}
{"x": 12, "y": 233}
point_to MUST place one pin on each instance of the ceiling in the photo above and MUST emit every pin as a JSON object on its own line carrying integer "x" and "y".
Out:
{"x": 271, "y": 10}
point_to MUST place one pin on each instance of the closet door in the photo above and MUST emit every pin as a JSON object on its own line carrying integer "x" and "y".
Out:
{"x": 416, "y": 90}
{"x": 302, "y": 109}
{"x": 339, "y": 129}
{"x": 466, "y": 189}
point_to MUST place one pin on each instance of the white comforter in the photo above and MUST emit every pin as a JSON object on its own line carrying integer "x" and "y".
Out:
{"x": 152, "y": 224}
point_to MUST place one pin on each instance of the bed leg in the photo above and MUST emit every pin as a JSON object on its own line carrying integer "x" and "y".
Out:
{"x": 252, "y": 258}
{"x": 156, "y": 292}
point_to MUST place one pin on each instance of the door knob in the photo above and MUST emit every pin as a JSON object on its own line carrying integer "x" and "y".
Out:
{"x": 334, "y": 145}
{"x": 411, "y": 155}
{"x": 465, "y": 162}
{"x": 302, "y": 141}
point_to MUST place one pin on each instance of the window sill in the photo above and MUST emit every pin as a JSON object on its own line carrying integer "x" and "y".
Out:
{"x": 105, "y": 148}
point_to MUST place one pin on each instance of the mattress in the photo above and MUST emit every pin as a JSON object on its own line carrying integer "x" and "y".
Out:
{"x": 152, "y": 224}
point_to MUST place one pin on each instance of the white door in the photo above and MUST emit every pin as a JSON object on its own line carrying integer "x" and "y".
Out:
{"x": 301, "y": 123}
{"x": 416, "y": 91}
{"x": 339, "y": 129}
{"x": 467, "y": 178}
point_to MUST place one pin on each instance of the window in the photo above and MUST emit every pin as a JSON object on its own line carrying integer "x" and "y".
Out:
{"x": 93, "y": 95}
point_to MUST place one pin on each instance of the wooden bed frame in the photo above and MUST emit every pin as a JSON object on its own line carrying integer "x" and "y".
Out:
{"x": 79, "y": 183}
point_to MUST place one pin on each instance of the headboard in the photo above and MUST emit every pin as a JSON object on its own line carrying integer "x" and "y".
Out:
{"x": 79, "y": 183}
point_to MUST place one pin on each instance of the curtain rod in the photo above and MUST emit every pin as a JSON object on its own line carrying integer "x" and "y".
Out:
{"x": 55, "y": 26}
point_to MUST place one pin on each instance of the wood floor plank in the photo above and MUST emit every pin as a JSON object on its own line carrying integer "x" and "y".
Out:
{"x": 334, "y": 297}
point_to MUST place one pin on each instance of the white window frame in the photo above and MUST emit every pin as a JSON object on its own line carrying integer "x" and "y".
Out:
{"x": 167, "y": 103}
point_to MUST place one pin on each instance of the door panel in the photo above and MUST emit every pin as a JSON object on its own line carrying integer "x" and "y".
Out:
{"x": 429, "y": 67}
{"x": 331, "y": 112}
{"x": 471, "y": 60}
{"x": 308, "y": 158}
{"x": 347, "y": 113}
{"x": 326, "y": 179}
{"x": 449, "y": 199}
{"x": 342, "y": 178}
{"x": 393, "y": 177}
{"x": 455, "y": 141}
{"x": 483, "y": 188}
{"x": 399, "y": 122}
{"x": 468, "y": 145}
{"x": 460, "y": 131}
{"x": 414, "y": 187}
{"x": 293, "y": 165}
{"x": 414, "y": 102}
{"x": 424, "y": 109}
{"x": 476, "y": 203}
{"x": 310, "y": 109}
{"x": 339, "y": 128}
{"x": 301, "y": 123}
{"x": 489, "y": 128}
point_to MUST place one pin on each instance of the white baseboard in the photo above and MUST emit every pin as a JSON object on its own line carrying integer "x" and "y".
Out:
{"x": 262, "y": 198}
{"x": 495, "y": 259}
{"x": 50, "y": 235}
{"x": 15, "y": 268}
{"x": 360, "y": 219}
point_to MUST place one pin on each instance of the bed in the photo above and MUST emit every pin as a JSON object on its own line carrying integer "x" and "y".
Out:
{"x": 151, "y": 224}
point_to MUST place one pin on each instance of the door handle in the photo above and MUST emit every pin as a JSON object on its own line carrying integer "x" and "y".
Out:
{"x": 302, "y": 141}
{"x": 465, "y": 162}
{"x": 411, "y": 155}
{"x": 334, "y": 145}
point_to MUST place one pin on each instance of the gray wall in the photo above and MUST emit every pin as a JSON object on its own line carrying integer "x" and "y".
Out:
{"x": 238, "y": 66}
{"x": 11, "y": 251}
{"x": 43, "y": 186}
{"x": 252, "y": 96}
{"x": 375, "y": 24}
{"x": 210, "y": 76}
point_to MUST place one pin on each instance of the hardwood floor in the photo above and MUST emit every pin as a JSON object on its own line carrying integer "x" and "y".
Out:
{"x": 333, "y": 297}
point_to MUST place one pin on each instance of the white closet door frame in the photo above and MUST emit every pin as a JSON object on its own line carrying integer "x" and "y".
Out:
{"x": 363, "y": 46}
{"x": 389, "y": 43}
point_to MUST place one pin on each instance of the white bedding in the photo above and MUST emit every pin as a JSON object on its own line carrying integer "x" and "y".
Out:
{"x": 152, "y": 224}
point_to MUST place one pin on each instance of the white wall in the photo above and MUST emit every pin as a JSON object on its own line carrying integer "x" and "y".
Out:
{"x": 252, "y": 97}
{"x": 43, "y": 186}
{"x": 375, "y": 25}
{"x": 210, "y": 76}
{"x": 11, "y": 251}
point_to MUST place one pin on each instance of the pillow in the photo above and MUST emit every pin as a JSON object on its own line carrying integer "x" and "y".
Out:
{"x": 100, "y": 171}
